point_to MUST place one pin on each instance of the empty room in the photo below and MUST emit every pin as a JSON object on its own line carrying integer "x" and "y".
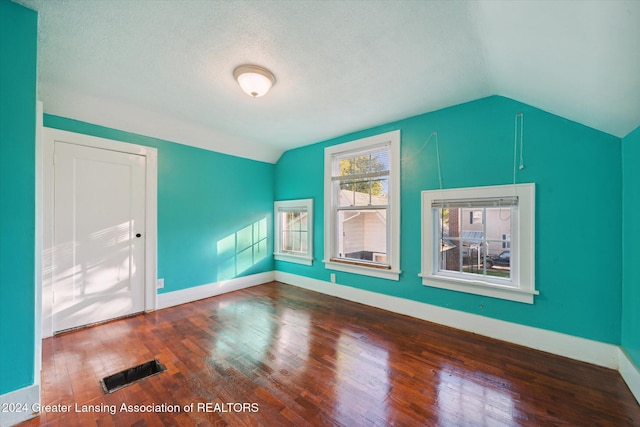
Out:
{"x": 319, "y": 213}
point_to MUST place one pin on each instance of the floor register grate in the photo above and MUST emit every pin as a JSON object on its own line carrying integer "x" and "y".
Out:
{"x": 131, "y": 375}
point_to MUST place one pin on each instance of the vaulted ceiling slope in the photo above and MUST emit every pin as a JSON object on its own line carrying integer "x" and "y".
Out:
{"x": 164, "y": 68}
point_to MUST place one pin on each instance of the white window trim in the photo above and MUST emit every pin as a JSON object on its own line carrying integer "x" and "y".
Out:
{"x": 393, "y": 207}
{"x": 287, "y": 256}
{"x": 523, "y": 275}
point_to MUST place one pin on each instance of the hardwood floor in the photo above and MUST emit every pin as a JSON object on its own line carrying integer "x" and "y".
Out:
{"x": 277, "y": 355}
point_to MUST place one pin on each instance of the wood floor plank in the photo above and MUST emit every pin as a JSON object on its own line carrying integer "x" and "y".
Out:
{"x": 277, "y": 355}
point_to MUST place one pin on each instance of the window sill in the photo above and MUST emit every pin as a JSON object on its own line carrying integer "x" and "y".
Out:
{"x": 293, "y": 258}
{"x": 363, "y": 270}
{"x": 479, "y": 288}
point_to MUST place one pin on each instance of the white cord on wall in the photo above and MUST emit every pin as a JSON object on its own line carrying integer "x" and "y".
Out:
{"x": 515, "y": 143}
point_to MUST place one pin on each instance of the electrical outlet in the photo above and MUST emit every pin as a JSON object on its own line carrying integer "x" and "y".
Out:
{"x": 333, "y": 277}
{"x": 160, "y": 283}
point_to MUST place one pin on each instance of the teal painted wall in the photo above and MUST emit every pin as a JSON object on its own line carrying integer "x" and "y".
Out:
{"x": 630, "y": 245}
{"x": 577, "y": 172}
{"x": 207, "y": 202}
{"x": 18, "y": 51}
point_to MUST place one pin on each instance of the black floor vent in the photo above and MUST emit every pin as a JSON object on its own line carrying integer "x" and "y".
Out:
{"x": 129, "y": 376}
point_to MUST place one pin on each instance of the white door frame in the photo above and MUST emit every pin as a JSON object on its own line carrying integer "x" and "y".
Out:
{"x": 49, "y": 136}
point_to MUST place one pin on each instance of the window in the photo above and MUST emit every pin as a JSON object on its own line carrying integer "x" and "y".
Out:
{"x": 362, "y": 206}
{"x": 480, "y": 240}
{"x": 294, "y": 231}
{"x": 476, "y": 216}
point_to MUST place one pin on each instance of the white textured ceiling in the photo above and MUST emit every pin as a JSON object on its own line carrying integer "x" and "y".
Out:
{"x": 164, "y": 68}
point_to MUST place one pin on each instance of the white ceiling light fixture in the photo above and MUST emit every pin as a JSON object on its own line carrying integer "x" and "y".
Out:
{"x": 255, "y": 81}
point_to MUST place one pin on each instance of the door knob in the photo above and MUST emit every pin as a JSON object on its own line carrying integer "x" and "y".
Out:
{"x": 138, "y": 235}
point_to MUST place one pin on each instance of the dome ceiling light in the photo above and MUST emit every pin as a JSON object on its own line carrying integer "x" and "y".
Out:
{"x": 255, "y": 81}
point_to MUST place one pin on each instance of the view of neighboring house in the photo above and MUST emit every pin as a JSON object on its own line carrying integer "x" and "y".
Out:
{"x": 473, "y": 234}
{"x": 362, "y": 232}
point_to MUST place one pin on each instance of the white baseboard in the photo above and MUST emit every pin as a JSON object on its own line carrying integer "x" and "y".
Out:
{"x": 594, "y": 352}
{"x": 630, "y": 373}
{"x": 22, "y": 404}
{"x": 183, "y": 296}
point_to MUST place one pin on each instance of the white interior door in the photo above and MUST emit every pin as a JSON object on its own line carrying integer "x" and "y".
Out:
{"x": 99, "y": 226}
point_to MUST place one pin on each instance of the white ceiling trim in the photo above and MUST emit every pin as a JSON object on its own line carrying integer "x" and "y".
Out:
{"x": 133, "y": 119}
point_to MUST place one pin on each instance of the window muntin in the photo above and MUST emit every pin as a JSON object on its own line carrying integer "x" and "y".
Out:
{"x": 362, "y": 206}
{"x": 293, "y": 231}
{"x": 480, "y": 240}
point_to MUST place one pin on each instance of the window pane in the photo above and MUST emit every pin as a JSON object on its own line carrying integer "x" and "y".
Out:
{"x": 294, "y": 241}
{"x": 303, "y": 221}
{"x": 290, "y": 221}
{"x": 473, "y": 258}
{"x": 472, "y": 235}
{"x": 287, "y": 241}
{"x": 499, "y": 265}
{"x": 355, "y": 165}
{"x": 450, "y": 221}
{"x": 380, "y": 191}
{"x": 364, "y": 192}
{"x": 473, "y": 218}
{"x": 362, "y": 235}
{"x": 365, "y": 163}
{"x": 294, "y": 220}
{"x": 380, "y": 161}
{"x": 354, "y": 193}
{"x": 498, "y": 224}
